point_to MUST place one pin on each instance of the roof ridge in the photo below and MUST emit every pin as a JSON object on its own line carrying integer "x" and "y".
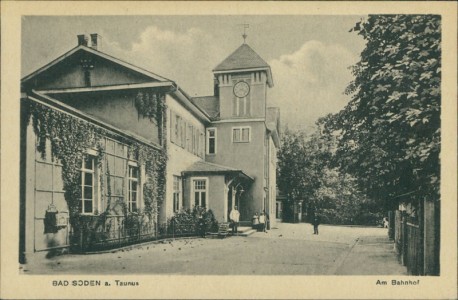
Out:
{"x": 217, "y": 165}
{"x": 100, "y": 54}
{"x": 241, "y": 58}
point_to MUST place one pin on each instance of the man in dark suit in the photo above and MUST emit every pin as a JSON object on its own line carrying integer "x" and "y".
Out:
{"x": 315, "y": 223}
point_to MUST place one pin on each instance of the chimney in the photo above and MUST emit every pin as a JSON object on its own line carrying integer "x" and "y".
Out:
{"x": 83, "y": 40}
{"x": 96, "y": 41}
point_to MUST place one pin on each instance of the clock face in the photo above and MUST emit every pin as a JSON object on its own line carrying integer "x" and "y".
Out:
{"x": 241, "y": 89}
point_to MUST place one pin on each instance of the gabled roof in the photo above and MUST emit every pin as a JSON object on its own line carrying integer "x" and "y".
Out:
{"x": 209, "y": 104}
{"x": 244, "y": 57}
{"x": 203, "y": 167}
{"x": 97, "y": 53}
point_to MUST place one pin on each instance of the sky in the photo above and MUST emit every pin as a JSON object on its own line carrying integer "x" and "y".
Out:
{"x": 309, "y": 55}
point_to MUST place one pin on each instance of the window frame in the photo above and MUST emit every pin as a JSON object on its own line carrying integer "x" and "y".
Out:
{"x": 83, "y": 172}
{"x": 177, "y": 189}
{"x": 130, "y": 180}
{"x": 193, "y": 191}
{"x": 207, "y": 148}
{"x": 240, "y": 128}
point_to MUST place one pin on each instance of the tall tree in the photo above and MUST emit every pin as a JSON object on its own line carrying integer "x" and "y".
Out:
{"x": 389, "y": 133}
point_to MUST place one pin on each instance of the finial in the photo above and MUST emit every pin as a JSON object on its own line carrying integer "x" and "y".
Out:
{"x": 244, "y": 35}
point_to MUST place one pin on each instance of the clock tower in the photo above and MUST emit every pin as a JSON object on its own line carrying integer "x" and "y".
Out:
{"x": 241, "y": 82}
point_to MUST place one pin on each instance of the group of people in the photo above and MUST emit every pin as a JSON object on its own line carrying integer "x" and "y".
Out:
{"x": 260, "y": 221}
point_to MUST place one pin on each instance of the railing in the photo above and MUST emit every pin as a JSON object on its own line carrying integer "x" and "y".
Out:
{"x": 413, "y": 250}
{"x": 113, "y": 231}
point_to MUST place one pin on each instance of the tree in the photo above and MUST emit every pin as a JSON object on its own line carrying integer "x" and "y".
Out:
{"x": 305, "y": 174}
{"x": 295, "y": 170}
{"x": 389, "y": 133}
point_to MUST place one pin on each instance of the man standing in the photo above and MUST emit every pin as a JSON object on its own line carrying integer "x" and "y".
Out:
{"x": 315, "y": 223}
{"x": 202, "y": 226}
{"x": 235, "y": 217}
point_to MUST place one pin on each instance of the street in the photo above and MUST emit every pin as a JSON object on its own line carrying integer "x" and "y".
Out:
{"x": 291, "y": 249}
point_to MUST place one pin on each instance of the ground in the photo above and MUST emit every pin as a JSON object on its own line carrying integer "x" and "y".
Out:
{"x": 290, "y": 249}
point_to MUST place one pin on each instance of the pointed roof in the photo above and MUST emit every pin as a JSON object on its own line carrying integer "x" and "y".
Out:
{"x": 98, "y": 53}
{"x": 244, "y": 58}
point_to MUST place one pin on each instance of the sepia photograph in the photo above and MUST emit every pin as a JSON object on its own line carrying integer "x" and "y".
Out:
{"x": 233, "y": 146}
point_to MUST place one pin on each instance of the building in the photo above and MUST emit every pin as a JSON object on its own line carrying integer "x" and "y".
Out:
{"x": 110, "y": 151}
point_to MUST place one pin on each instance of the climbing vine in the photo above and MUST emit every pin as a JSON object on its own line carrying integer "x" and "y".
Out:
{"x": 71, "y": 137}
{"x": 150, "y": 105}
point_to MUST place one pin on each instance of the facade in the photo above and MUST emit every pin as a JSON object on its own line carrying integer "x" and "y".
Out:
{"x": 109, "y": 149}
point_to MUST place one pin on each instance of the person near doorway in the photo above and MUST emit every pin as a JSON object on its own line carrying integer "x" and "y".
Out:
{"x": 315, "y": 223}
{"x": 234, "y": 216}
{"x": 267, "y": 220}
{"x": 255, "y": 221}
{"x": 262, "y": 222}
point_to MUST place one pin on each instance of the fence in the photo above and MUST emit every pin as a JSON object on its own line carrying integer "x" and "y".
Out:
{"x": 413, "y": 249}
{"x": 409, "y": 243}
{"x": 113, "y": 231}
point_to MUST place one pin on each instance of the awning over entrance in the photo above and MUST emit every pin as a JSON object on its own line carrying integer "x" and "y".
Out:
{"x": 235, "y": 183}
{"x": 206, "y": 168}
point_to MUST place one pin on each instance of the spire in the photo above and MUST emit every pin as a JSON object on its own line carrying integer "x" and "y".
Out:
{"x": 244, "y": 35}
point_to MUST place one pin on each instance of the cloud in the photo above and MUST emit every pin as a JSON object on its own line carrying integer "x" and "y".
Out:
{"x": 184, "y": 57}
{"x": 310, "y": 82}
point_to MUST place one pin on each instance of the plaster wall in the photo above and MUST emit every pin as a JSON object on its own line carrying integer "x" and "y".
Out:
{"x": 70, "y": 74}
{"x": 43, "y": 187}
{"x": 248, "y": 157}
{"x": 257, "y": 95}
{"x": 179, "y": 159}
{"x": 116, "y": 108}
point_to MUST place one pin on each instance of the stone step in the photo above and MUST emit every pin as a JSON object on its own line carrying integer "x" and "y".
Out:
{"x": 248, "y": 232}
{"x": 242, "y": 229}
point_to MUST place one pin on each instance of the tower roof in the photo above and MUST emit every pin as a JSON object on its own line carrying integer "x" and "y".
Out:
{"x": 244, "y": 57}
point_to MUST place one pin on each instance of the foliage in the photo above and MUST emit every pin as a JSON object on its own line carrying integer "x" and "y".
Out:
{"x": 70, "y": 139}
{"x": 297, "y": 171}
{"x": 188, "y": 216}
{"x": 389, "y": 133}
{"x": 305, "y": 169}
{"x": 340, "y": 201}
{"x": 150, "y": 105}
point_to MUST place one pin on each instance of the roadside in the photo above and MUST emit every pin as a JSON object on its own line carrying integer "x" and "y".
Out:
{"x": 292, "y": 249}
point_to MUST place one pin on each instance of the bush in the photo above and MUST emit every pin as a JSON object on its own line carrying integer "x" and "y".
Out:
{"x": 191, "y": 217}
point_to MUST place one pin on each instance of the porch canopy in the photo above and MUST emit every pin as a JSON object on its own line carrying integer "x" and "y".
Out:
{"x": 202, "y": 168}
{"x": 226, "y": 186}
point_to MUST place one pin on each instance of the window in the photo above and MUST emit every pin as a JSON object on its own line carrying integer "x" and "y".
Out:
{"x": 211, "y": 141}
{"x": 132, "y": 201}
{"x": 241, "y": 135}
{"x": 201, "y": 144}
{"x": 183, "y": 134}
{"x": 241, "y": 106}
{"x": 189, "y": 137}
{"x": 86, "y": 205}
{"x": 176, "y": 193}
{"x": 200, "y": 192}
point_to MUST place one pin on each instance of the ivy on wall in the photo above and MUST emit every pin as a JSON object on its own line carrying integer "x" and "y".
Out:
{"x": 71, "y": 137}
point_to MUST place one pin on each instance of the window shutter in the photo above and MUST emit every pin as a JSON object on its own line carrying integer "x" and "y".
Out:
{"x": 172, "y": 126}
